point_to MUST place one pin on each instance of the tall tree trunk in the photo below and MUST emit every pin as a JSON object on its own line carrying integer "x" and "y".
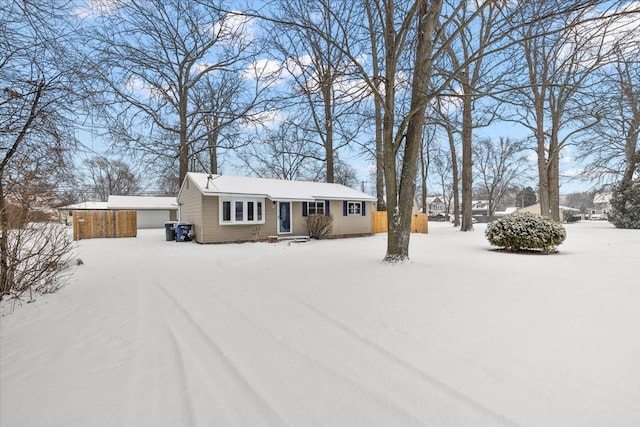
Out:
{"x": 467, "y": 183}
{"x": 5, "y": 281}
{"x": 381, "y": 205}
{"x": 423, "y": 179}
{"x": 183, "y": 151}
{"x": 328, "y": 140}
{"x": 378, "y": 108}
{"x": 399, "y": 219}
{"x": 455, "y": 178}
{"x": 212, "y": 145}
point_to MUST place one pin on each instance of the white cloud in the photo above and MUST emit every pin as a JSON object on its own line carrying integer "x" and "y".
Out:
{"x": 138, "y": 86}
{"x": 269, "y": 119}
{"x": 94, "y": 8}
{"x": 234, "y": 28}
{"x": 263, "y": 69}
{"x": 607, "y": 32}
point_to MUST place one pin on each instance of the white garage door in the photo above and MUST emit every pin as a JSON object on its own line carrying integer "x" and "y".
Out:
{"x": 152, "y": 219}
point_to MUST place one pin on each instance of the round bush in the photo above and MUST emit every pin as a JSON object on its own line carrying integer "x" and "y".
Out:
{"x": 625, "y": 205}
{"x": 525, "y": 231}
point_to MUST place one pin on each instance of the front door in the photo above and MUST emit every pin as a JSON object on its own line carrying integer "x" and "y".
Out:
{"x": 284, "y": 217}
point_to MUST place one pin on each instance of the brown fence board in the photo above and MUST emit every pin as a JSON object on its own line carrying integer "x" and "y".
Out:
{"x": 419, "y": 222}
{"x": 104, "y": 224}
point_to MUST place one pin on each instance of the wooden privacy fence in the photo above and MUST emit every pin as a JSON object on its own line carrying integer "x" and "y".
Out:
{"x": 101, "y": 224}
{"x": 419, "y": 222}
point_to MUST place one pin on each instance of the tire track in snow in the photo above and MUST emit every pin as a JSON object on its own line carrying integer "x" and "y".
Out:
{"x": 378, "y": 399}
{"x": 425, "y": 377}
{"x": 153, "y": 354}
{"x": 231, "y": 384}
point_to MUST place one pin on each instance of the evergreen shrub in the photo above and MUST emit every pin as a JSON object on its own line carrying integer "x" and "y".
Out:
{"x": 625, "y": 205}
{"x": 525, "y": 231}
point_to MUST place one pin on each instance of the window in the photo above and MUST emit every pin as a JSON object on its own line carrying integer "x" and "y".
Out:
{"x": 354, "y": 208}
{"x": 226, "y": 211}
{"x": 316, "y": 208}
{"x": 250, "y": 211}
{"x": 320, "y": 207}
{"x": 241, "y": 211}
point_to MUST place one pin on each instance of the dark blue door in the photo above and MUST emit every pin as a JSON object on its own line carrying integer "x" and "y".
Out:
{"x": 284, "y": 217}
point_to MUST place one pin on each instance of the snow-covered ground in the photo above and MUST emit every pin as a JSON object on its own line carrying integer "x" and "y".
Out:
{"x": 156, "y": 333}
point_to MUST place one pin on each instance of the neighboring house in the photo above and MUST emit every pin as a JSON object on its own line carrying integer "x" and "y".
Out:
{"x": 436, "y": 206}
{"x": 227, "y": 208}
{"x": 480, "y": 207}
{"x": 508, "y": 211}
{"x": 601, "y": 205}
{"x": 567, "y": 214}
{"x": 66, "y": 212}
{"x": 151, "y": 212}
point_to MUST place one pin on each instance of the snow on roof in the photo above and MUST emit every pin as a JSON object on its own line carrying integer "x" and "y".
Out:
{"x": 142, "y": 202}
{"x": 602, "y": 198}
{"x": 85, "y": 206}
{"x": 274, "y": 189}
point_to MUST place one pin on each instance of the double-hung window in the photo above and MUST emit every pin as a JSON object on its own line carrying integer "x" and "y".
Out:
{"x": 315, "y": 208}
{"x": 354, "y": 208}
{"x": 241, "y": 211}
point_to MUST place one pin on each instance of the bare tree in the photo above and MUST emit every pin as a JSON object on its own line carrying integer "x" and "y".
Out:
{"x": 611, "y": 150}
{"x": 562, "y": 45}
{"x": 155, "y": 58}
{"x": 442, "y": 116}
{"x": 38, "y": 69}
{"x": 323, "y": 89}
{"x": 498, "y": 164}
{"x": 284, "y": 153}
{"x": 111, "y": 176}
{"x": 475, "y": 78}
{"x": 442, "y": 170}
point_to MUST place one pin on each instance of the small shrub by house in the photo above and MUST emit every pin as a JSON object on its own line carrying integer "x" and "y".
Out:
{"x": 319, "y": 225}
{"x": 525, "y": 231}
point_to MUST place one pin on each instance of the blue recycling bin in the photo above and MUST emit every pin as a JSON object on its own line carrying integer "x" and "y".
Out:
{"x": 182, "y": 232}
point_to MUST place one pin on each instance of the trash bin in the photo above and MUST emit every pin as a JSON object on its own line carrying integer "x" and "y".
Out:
{"x": 182, "y": 232}
{"x": 170, "y": 230}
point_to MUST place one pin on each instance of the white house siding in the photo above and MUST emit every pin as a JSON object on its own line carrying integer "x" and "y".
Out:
{"x": 214, "y": 232}
{"x": 209, "y": 230}
{"x": 351, "y": 224}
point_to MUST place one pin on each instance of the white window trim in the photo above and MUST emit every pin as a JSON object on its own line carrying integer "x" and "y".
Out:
{"x": 359, "y": 204}
{"x": 316, "y": 204}
{"x": 244, "y": 200}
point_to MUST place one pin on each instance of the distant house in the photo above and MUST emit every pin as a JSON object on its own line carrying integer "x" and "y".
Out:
{"x": 151, "y": 212}
{"x": 227, "y": 208}
{"x": 567, "y": 214}
{"x": 436, "y": 206}
{"x": 480, "y": 207}
{"x": 601, "y": 205}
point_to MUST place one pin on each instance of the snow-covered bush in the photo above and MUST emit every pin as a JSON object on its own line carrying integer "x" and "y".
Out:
{"x": 319, "y": 226}
{"x": 38, "y": 257}
{"x": 625, "y": 205}
{"x": 525, "y": 231}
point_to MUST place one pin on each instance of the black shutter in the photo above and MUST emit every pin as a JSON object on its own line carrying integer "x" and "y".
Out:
{"x": 344, "y": 208}
{"x": 305, "y": 206}
{"x": 327, "y": 204}
{"x": 364, "y": 210}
